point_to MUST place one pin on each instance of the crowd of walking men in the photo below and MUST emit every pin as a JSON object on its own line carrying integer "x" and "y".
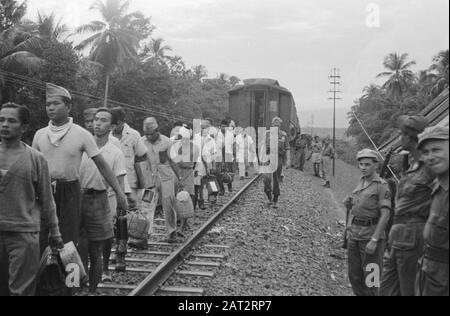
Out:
{"x": 74, "y": 183}
{"x": 411, "y": 258}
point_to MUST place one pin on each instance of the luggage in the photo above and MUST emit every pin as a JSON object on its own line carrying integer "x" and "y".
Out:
{"x": 69, "y": 255}
{"x": 144, "y": 174}
{"x": 138, "y": 227}
{"x": 184, "y": 205}
{"x": 51, "y": 279}
{"x": 149, "y": 204}
{"x": 212, "y": 186}
{"x": 227, "y": 178}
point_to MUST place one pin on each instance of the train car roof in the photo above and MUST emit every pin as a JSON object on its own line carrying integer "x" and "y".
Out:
{"x": 248, "y": 83}
{"x": 436, "y": 113}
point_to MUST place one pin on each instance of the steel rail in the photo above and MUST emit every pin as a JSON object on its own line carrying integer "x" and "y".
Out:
{"x": 156, "y": 280}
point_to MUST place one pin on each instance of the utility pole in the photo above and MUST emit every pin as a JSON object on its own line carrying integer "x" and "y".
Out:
{"x": 335, "y": 81}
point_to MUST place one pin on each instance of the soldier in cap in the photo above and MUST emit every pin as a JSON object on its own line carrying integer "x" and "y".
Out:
{"x": 272, "y": 181}
{"x": 432, "y": 278}
{"x": 412, "y": 209}
{"x": 165, "y": 170}
{"x": 369, "y": 218}
{"x": 63, "y": 143}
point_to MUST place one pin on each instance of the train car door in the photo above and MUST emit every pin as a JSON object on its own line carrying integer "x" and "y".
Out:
{"x": 259, "y": 104}
{"x": 285, "y": 111}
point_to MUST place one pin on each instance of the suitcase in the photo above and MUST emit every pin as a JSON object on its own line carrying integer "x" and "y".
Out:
{"x": 212, "y": 186}
{"x": 144, "y": 174}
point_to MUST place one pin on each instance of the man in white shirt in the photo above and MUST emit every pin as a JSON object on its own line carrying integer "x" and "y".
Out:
{"x": 97, "y": 197}
{"x": 63, "y": 144}
{"x": 133, "y": 150}
{"x": 165, "y": 170}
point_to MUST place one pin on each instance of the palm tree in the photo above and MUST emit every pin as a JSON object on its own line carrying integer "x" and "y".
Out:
{"x": 400, "y": 76}
{"x": 17, "y": 54}
{"x": 113, "y": 41}
{"x": 11, "y": 12}
{"x": 49, "y": 28}
{"x": 439, "y": 73}
{"x": 159, "y": 50}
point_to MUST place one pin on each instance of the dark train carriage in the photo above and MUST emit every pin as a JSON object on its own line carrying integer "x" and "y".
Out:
{"x": 258, "y": 101}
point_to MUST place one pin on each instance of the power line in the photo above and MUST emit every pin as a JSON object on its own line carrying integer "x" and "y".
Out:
{"x": 38, "y": 84}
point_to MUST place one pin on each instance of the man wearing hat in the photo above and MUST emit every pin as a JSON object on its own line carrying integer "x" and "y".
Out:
{"x": 272, "y": 181}
{"x": 432, "y": 278}
{"x": 158, "y": 150}
{"x": 412, "y": 209}
{"x": 366, "y": 233}
{"x": 63, "y": 143}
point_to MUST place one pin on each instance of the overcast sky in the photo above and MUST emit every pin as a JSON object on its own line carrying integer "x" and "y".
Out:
{"x": 297, "y": 42}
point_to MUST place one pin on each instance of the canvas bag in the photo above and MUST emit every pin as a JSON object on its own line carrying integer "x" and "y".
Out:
{"x": 138, "y": 225}
{"x": 184, "y": 205}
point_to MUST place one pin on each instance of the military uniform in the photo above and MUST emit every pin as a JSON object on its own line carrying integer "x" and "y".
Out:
{"x": 432, "y": 278}
{"x": 369, "y": 199}
{"x": 300, "y": 157}
{"x": 406, "y": 236}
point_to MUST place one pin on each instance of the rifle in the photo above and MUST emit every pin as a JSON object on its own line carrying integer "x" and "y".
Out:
{"x": 349, "y": 206}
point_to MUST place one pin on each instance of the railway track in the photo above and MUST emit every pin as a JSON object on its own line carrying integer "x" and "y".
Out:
{"x": 149, "y": 270}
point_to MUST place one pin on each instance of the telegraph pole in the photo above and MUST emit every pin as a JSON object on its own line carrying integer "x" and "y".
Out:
{"x": 335, "y": 81}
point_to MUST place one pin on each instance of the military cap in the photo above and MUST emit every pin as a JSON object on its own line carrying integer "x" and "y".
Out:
{"x": 53, "y": 91}
{"x": 433, "y": 133}
{"x": 150, "y": 123}
{"x": 417, "y": 123}
{"x": 277, "y": 120}
{"x": 368, "y": 153}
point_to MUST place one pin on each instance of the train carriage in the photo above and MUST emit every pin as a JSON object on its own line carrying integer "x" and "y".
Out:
{"x": 258, "y": 101}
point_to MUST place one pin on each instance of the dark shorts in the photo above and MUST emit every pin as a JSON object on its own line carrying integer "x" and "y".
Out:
{"x": 96, "y": 217}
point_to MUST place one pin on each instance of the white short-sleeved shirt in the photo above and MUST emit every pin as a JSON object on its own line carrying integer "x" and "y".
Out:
{"x": 64, "y": 161}
{"x": 132, "y": 146}
{"x": 164, "y": 144}
{"x": 90, "y": 177}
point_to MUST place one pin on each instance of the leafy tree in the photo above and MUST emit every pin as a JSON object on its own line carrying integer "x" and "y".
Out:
{"x": 17, "y": 55}
{"x": 199, "y": 72}
{"x": 159, "y": 50}
{"x": 439, "y": 73}
{"x": 400, "y": 76}
{"x": 113, "y": 43}
{"x": 11, "y": 12}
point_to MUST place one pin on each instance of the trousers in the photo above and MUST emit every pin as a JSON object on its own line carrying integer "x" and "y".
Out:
{"x": 361, "y": 265}
{"x": 19, "y": 263}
